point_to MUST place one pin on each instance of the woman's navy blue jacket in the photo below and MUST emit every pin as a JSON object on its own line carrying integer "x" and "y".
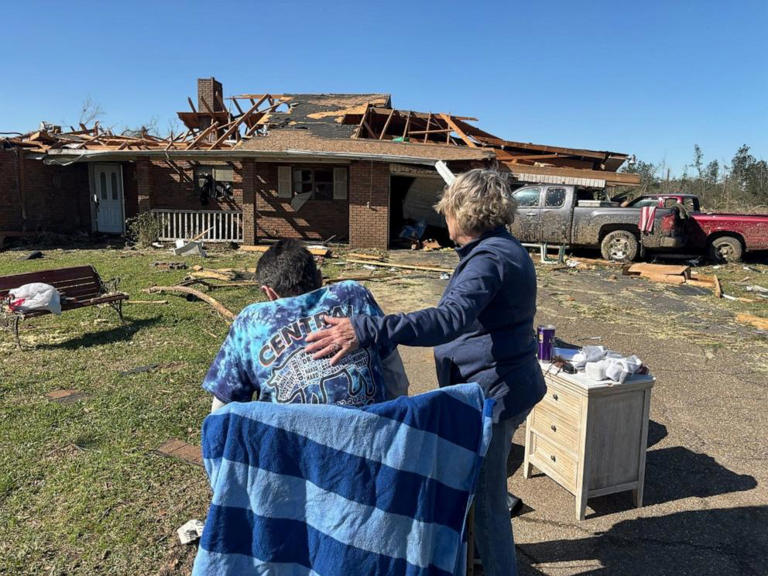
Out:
{"x": 482, "y": 329}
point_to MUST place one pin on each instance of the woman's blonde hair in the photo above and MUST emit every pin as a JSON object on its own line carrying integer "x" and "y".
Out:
{"x": 479, "y": 200}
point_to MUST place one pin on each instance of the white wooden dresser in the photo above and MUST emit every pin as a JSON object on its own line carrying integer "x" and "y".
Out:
{"x": 590, "y": 436}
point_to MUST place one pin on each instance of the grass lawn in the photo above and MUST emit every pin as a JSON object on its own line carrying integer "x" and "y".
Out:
{"x": 81, "y": 489}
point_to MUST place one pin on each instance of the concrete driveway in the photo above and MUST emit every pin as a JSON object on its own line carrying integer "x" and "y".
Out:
{"x": 706, "y": 503}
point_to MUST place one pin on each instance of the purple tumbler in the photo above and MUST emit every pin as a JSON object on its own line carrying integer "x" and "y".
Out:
{"x": 546, "y": 336}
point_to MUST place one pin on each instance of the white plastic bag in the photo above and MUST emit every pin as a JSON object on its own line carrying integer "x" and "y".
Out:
{"x": 35, "y": 296}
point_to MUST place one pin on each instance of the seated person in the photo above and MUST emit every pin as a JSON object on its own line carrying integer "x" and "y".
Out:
{"x": 263, "y": 355}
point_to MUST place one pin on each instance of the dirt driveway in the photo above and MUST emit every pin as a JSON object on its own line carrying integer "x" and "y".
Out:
{"x": 706, "y": 501}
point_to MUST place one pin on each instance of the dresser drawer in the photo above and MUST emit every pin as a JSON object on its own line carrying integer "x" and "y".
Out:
{"x": 561, "y": 401}
{"x": 553, "y": 460}
{"x": 556, "y": 425}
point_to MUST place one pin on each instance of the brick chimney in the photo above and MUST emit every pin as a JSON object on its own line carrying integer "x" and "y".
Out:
{"x": 209, "y": 95}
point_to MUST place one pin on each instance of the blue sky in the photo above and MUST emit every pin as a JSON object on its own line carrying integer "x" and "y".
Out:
{"x": 651, "y": 78}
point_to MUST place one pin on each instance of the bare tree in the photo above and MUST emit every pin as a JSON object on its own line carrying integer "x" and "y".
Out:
{"x": 90, "y": 111}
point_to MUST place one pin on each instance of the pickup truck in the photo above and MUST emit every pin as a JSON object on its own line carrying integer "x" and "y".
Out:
{"x": 566, "y": 215}
{"x": 723, "y": 237}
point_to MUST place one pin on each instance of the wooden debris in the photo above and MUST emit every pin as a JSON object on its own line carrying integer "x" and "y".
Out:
{"x": 365, "y": 256}
{"x": 314, "y": 250}
{"x": 185, "y": 452}
{"x": 664, "y": 278}
{"x": 355, "y": 277}
{"x": 218, "y": 306}
{"x": 644, "y": 269}
{"x": 705, "y": 281}
{"x": 215, "y": 275}
{"x": 429, "y": 245}
{"x": 403, "y": 266}
{"x": 756, "y": 321}
{"x": 596, "y": 261}
{"x": 65, "y": 396}
{"x": 200, "y": 236}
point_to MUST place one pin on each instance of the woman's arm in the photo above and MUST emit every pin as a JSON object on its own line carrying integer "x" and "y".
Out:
{"x": 468, "y": 296}
{"x": 432, "y": 326}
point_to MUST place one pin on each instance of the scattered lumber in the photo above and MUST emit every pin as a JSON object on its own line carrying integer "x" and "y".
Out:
{"x": 189, "y": 281}
{"x": 200, "y": 236}
{"x": 314, "y": 250}
{"x": 664, "y": 278}
{"x": 355, "y": 277}
{"x": 706, "y": 281}
{"x": 175, "y": 448}
{"x": 218, "y": 306}
{"x": 644, "y": 269}
{"x": 756, "y": 321}
{"x": 365, "y": 256}
{"x": 227, "y": 276}
{"x": 403, "y": 266}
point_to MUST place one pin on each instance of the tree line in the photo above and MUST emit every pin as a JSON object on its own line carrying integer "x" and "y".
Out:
{"x": 738, "y": 186}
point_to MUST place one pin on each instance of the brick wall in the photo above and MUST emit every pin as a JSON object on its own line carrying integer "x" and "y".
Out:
{"x": 316, "y": 220}
{"x": 249, "y": 187}
{"x": 10, "y": 204}
{"x": 55, "y": 198}
{"x": 368, "y": 205}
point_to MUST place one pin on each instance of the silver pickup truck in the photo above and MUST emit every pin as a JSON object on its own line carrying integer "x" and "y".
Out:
{"x": 562, "y": 215}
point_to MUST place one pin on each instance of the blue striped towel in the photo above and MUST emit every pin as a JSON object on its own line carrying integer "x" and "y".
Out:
{"x": 323, "y": 490}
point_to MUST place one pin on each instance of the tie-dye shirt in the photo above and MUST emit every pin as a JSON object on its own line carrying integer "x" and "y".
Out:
{"x": 264, "y": 353}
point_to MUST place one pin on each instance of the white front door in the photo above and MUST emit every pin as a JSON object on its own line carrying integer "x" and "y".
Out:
{"x": 108, "y": 198}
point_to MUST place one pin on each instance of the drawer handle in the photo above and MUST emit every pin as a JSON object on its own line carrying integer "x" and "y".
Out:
{"x": 554, "y": 428}
{"x": 553, "y": 458}
{"x": 554, "y": 397}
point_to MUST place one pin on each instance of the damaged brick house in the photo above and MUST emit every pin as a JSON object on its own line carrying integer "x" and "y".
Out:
{"x": 308, "y": 166}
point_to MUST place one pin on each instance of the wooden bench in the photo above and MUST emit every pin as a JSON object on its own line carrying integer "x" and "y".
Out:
{"x": 79, "y": 286}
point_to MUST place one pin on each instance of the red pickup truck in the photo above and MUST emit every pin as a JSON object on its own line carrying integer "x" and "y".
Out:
{"x": 724, "y": 237}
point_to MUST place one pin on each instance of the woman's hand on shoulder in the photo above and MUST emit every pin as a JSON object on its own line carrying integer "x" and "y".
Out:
{"x": 337, "y": 340}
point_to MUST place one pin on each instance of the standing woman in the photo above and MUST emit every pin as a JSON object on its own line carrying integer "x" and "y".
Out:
{"x": 482, "y": 331}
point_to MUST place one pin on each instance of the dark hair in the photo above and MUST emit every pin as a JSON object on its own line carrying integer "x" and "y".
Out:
{"x": 288, "y": 268}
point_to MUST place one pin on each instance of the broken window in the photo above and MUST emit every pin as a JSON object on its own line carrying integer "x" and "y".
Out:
{"x": 214, "y": 182}
{"x": 555, "y": 198}
{"x": 326, "y": 183}
{"x": 317, "y": 181}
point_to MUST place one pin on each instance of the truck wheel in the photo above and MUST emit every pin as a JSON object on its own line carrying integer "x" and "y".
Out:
{"x": 619, "y": 245}
{"x": 725, "y": 249}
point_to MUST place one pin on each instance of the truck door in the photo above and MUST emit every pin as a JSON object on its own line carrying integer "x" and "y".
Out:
{"x": 556, "y": 215}
{"x": 527, "y": 227}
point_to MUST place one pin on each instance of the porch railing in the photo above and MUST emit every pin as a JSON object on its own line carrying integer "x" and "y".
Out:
{"x": 221, "y": 225}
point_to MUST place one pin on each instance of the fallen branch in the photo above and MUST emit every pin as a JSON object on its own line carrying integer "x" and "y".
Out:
{"x": 404, "y": 266}
{"x": 218, "y": 306}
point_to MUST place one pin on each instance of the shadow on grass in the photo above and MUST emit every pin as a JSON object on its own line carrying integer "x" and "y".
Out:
{"x": 101, "y": 337}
